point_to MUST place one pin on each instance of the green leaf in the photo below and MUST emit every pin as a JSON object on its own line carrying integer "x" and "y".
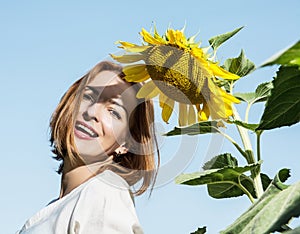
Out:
{"x": 266, "y": 181}
{"x": 226, "y": 190}
{"x": 281, "y": 177}
{"x": 220, "y": 161}
{"x": 248, "y": 126}
{"x": 274, "y": 209}
{"x": 291, "y": 56}
{"x": 261, "y": 94}
{"x": 224, "y": 175}
{"x": 246, "y": 97}
{"x": 197, "y": 128}
{"x": 216, "y": 41}
{"x": 283, "y": 105}
{"x": 225, "y": 182}
{"x": 200, "y": 231}
{"x": 294, "y": 231}
{"x": 240, "y": 65}
{"x": 229, "y": 190}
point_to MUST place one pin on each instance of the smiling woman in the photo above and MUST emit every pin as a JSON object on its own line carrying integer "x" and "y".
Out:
{"x": 105, "y": 138}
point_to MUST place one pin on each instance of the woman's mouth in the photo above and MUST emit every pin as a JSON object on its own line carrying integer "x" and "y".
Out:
{"x": 84, "y": 131}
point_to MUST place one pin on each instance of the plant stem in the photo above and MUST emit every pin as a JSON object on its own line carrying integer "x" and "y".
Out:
{"x": 248, "y": 147}
{"x": 245, "y": 191}
{"x": 258, "y": 134}
{"x": 234, "y": 143}
{"x": 247, "y": 112}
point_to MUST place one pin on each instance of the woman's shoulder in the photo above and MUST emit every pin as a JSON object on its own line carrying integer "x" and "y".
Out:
{"x": 106, "y": 197}
{"x": 106, "y": 188}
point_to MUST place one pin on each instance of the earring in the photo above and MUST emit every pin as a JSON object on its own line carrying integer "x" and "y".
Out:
{"x": 118, "y": 153}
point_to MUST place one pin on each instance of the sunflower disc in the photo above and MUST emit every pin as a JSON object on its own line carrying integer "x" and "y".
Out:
{"x": 181, "y": 75}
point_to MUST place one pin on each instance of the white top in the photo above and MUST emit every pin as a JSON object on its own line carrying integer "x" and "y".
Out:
{"x": 100, "y": 205}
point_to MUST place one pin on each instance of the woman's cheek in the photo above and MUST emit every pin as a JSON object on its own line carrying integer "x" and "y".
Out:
{"x": 117, "y": 129}
{"x": 82, "y": 108}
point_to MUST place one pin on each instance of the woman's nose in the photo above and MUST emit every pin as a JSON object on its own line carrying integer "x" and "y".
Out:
{"x": 91, "y": 113}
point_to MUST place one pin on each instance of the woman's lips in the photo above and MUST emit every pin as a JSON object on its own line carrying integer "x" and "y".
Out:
{"x": 84, "y": 131}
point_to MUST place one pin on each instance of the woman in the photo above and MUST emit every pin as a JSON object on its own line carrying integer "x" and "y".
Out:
{"x": 104, "y": 137}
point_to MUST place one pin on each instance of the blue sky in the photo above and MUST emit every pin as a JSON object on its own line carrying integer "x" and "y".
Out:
{"x": 47, "y": 45}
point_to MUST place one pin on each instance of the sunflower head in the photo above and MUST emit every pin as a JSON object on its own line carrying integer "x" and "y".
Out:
{"x": 171, "y": 66}
{"x": 178, "y": 70}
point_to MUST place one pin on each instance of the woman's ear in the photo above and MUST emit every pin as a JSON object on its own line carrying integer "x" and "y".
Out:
{"x": 121, "y": 149}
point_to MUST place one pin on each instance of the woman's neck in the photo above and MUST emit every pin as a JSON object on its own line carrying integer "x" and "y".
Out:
{"x": 73, "y": 177}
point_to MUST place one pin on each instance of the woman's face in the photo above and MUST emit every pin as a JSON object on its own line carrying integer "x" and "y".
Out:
{"x": 101, "y": 125}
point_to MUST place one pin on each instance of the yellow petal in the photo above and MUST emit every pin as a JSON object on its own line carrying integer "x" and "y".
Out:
{"x": 215, "y": 103}
{"x": 167, "y": 109}
{"x": 179, "y": 35}
{"x": 148, "y": 90}
{"x": 127, "y": 58}
{"x": 220, "y": 72}
{"x": 228, "y": 98}
{"x": 170, "y": 35}
{"x": 136, "y": 73}
{"x": 204, "y": 113}
{"x": 220, "y": 101}
{"x": 199, "y": 54}
{"x": 134, "y": 69}
{"x": 137, "y": 49}
{"x": 126, "y": 44}
{"x": 140, "y": 77}
{"x": 181, "y": 40}
{"x": 130, "y": 47}
{"x": 162, "y": 99}
{"x": 158, "y": 37}
{"x": 228, "y": 110}
{"x": 218, "y": 108}
{"x": 149, "y": 38}
{"x": 183, "y": 118}
{"x": 191, "y": 115}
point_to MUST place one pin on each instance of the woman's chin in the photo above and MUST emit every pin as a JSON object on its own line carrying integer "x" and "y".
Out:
{"x": 90, "y": 152}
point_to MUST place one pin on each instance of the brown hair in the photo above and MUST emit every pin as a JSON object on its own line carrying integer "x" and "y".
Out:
{"x": 132, "y": 166}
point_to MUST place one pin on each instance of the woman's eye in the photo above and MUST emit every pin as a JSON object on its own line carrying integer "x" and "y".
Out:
{"x": 114, "y": 113}
{"x": 88, "y": 97}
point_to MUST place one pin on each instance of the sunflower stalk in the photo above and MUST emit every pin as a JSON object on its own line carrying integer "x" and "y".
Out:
{"x": 250, "y": 159}
{"x": 234, "y": 143}
{"x": 258, "y": 135}
{"x": 247, "y": 112}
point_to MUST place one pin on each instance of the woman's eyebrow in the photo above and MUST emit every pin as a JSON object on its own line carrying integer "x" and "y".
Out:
{"x": 94, "y": 90}
{"x": 113, "y": 101}
{"x": 97, "y": 91}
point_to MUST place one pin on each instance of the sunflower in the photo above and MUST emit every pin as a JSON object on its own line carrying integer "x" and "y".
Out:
{"x": 178, "y": 70}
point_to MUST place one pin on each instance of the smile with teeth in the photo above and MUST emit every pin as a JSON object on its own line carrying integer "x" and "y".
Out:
{"x": 86, "y": 130}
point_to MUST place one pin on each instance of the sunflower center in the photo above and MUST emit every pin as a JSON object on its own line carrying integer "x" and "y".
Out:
{"x": 176, "y": 73}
